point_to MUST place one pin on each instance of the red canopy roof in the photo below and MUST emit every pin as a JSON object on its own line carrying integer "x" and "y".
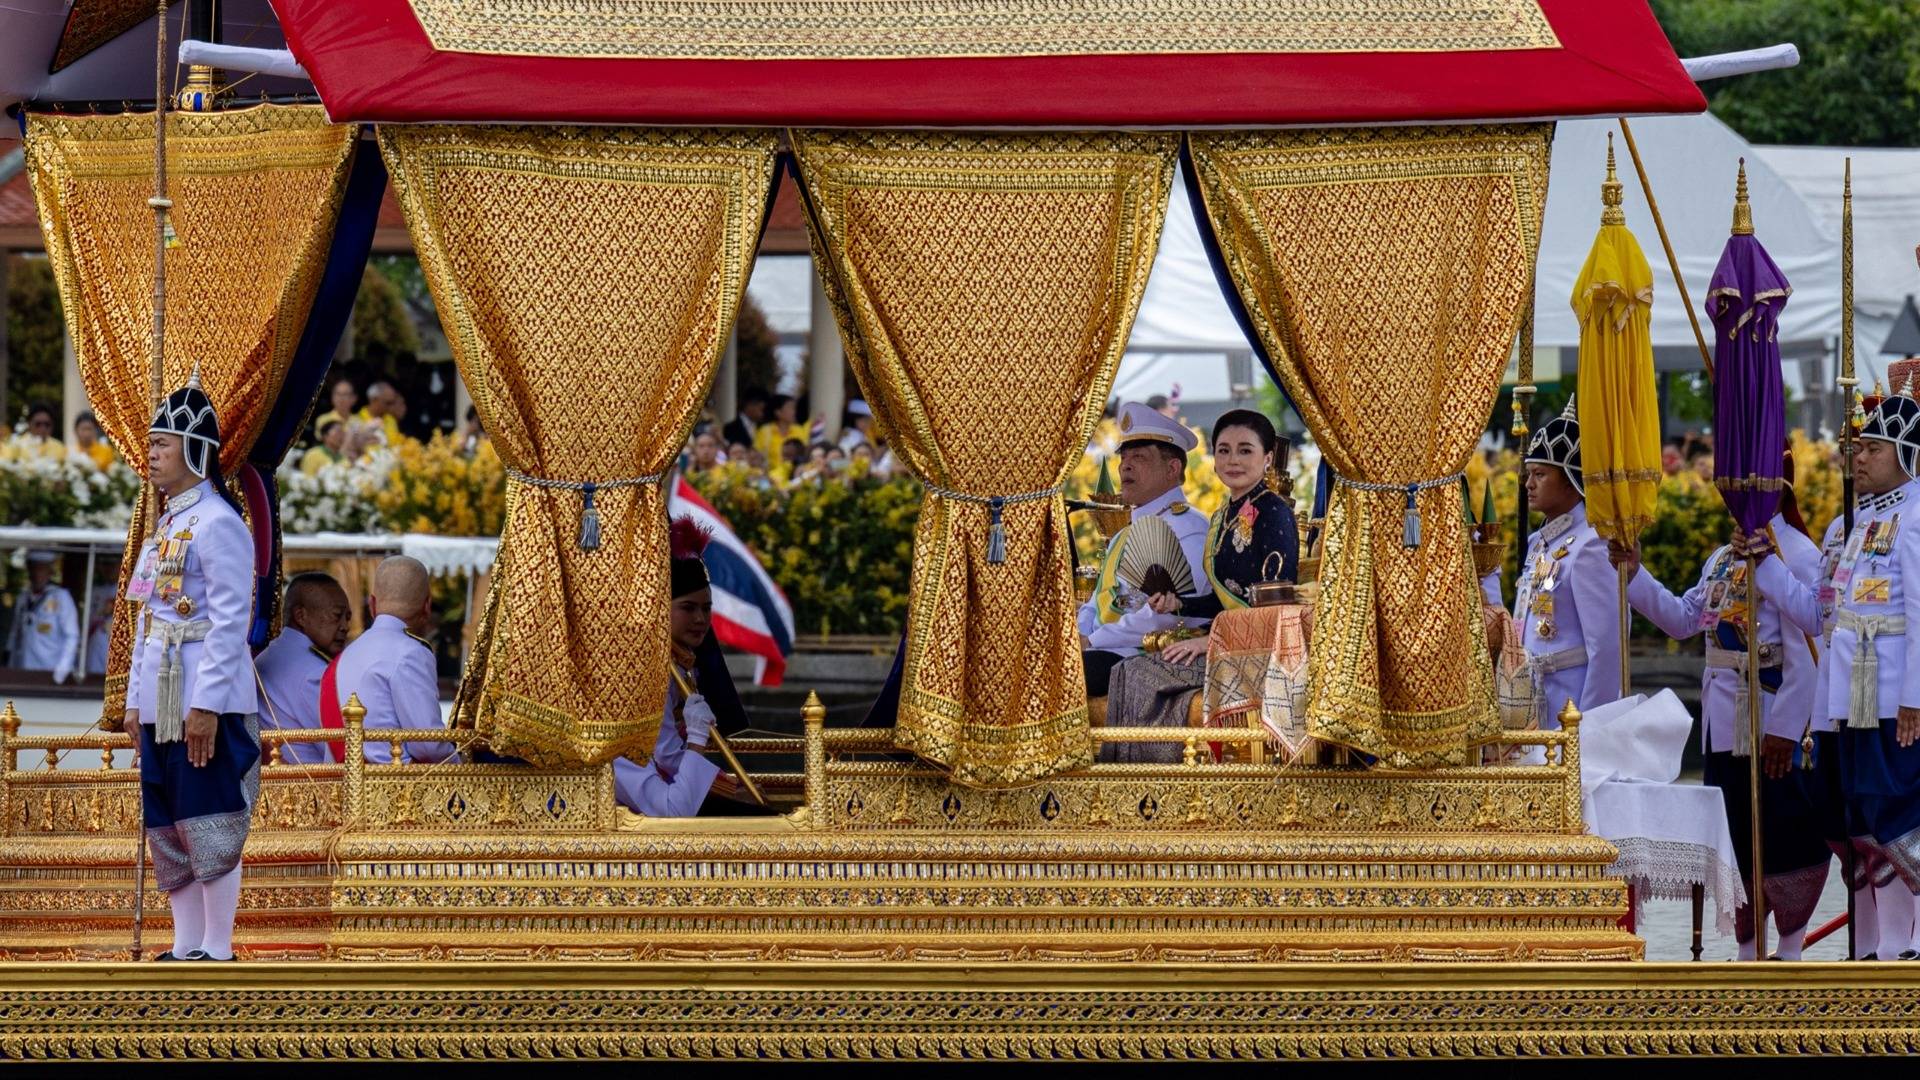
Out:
{"x": 1326, "y": 62}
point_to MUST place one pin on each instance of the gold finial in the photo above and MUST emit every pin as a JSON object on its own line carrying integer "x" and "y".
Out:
{"x": 1612, "y": 192}
{"x": 1569, "y": 716}
{"x": 1742, "y": 208}
{"x": 353, "y": 714}
{"x": 10, "y": 721}
{"x": 1879, "y": 388}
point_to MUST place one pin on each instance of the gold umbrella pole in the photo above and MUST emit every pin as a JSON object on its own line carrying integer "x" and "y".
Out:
{"x": 1626, "y": 637}
{"x": 1673, "y": 263}
{"x": 1757, "y": 903}
{"x": 1523, "y": 391}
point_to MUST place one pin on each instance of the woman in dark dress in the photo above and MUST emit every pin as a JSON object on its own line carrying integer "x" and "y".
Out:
{"x": 1253, "y": 538}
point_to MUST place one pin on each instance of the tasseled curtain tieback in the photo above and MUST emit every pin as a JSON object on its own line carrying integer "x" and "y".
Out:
{"x": 589, "y": 513}
{"x": 996, "y": 532}
{"x": 1410, "y": 518}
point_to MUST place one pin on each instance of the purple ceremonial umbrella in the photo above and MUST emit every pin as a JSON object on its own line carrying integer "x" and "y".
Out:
{"x": 1749, "y": 403}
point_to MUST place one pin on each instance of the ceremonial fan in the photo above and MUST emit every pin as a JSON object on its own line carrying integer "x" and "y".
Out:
{"x": 1151, "y": 560}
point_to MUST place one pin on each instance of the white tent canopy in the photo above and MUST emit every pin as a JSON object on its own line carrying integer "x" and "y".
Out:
{"x": 1886, "y": 226}
{"x": 1692, "y": 161}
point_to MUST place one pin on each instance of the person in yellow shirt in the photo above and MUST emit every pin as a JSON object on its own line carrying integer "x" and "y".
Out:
{"x": 783, "y": 423}
{"x": 88, "y": 446}
{"x": 384, "y": 406}
{"x": 344, "y": 399}
{"x": 333, "y": 438}
{"x": 38, "y": 440}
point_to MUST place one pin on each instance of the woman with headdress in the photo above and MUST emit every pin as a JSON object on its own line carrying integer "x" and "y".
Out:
{"x": 1252, "y": 539}
{"x": 674, "y": 782}
{"x": 190, "y": 687}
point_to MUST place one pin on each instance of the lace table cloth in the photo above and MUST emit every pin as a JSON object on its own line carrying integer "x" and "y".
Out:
{"x": 1671, "y": 837}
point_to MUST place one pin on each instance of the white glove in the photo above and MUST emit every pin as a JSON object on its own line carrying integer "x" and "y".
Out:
{"x": 698, "y": 716}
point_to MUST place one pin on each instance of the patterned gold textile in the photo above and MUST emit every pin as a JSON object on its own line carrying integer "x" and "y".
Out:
{"x": 834, "y": 29}
{"x": 255, "y": 195}
{"x": 588, "y": 279}
{"x": 1384, "y": 271}
{"x": 1258, "y": 663}
{"x": 985, "y": 286}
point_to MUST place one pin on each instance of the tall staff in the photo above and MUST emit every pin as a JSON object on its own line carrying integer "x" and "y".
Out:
{"x": 1523, "y": 391}
{"x": 156, "y": 377}
{"x": 1849, "y": 444}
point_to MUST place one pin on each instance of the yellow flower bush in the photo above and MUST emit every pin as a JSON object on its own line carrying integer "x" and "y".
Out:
{"x": 434, "y": 489}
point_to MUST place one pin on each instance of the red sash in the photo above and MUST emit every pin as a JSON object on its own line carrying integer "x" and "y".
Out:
{"x": 330, "y": 710}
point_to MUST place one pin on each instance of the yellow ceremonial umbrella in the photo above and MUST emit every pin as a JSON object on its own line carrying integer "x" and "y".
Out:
{"x": 1619, "y": 406}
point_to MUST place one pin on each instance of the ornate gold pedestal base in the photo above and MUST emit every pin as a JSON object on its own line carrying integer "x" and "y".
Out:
{"x": 1080, "y": 1012}
{"x": 887, "y": 863}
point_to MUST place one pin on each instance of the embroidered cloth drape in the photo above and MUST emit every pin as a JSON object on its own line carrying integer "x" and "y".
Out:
{"x": 1383, "y": 271}
{"x": 985, "y": 286}
{"x": 256, "y": 193}
{"x": 588, "y": 279}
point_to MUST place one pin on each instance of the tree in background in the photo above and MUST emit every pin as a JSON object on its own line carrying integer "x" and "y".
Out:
{"x": 1858, "y": 83}
{"x": 382, "y": 329}
{"x": 758, "y": 365}
{"x": 36, "y": 364}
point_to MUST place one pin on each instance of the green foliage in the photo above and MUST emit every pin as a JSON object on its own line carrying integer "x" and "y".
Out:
{"x": 842, "y": 551}
{"x": 36, "y": 357}
{"x": 382, "y": 329}
{"x": 1858, "y": 83}
{"x": 758, "y": 365}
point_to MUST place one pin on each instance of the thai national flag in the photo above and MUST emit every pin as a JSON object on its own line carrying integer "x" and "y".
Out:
{"x": 749, "y": 611}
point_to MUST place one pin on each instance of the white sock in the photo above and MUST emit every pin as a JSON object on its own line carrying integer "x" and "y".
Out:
{"x": 223, "y": 900}
{"x": 1866, "y": 923}
{"x": 1746, "y": 949}
{"x": 1893, "y": 906}
{"x": 1791, "y": 944}
{"x": 188, "y": 906}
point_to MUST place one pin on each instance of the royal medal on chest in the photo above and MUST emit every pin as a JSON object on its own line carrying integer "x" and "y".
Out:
{"x": 1243, "y": 526}
{"x": 1883, "y": 543}
{"x": 170, "y": 566}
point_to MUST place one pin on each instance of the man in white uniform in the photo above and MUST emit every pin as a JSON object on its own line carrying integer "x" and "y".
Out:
{"x": 46, "y": 624}
{"x": 1153, "y": 466}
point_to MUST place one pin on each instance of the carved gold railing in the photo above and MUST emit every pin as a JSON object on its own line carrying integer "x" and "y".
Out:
{"x": 853, "y": 778}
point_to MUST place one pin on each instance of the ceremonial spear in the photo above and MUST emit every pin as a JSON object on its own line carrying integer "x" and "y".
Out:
{"x": 156, "y": 373}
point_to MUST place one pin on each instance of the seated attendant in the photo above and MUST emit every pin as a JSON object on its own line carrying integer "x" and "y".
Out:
{"x": 391, "y": 666}
{"x": 292, "y": 665}
{"x": 673, "y": 782}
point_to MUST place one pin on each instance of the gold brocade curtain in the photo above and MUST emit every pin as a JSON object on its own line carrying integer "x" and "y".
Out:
{"x": 1384, "y": 271}
{"x": 985, "y": 286}
{"x": 588, "y": 279}
{"x": 256, "y": 193}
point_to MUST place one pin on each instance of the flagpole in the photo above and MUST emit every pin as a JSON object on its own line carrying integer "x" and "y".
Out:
{"x": 1847, "y": 383}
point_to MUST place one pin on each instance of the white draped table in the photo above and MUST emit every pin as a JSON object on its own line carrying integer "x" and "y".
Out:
{"x": 1674, "y": 844}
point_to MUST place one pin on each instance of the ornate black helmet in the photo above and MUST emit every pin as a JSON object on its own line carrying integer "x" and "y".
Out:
{"x": 1558, "y": 443}
{"x": 1897, "y": 420}
{"x": 188, "y": 413}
